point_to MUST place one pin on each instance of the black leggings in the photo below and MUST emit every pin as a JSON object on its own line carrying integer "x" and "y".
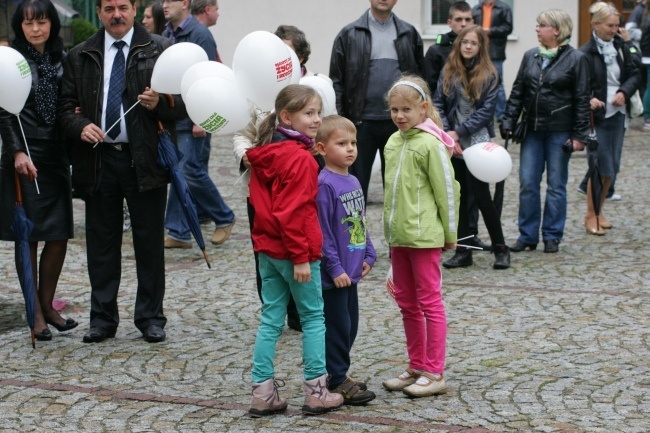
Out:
{"x": 482, "y": 198}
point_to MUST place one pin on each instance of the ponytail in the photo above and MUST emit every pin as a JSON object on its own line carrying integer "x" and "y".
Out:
{"x": 266, "y": 130}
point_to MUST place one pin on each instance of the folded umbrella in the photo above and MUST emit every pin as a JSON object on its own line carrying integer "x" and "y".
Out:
{"x": 593, "y": 173}
{"x": 168, "y": 158}
{"x": 22, "y": 228}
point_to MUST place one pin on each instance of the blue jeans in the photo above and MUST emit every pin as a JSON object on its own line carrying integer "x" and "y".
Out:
{"x": 501, "y": 93}
{"x": 206, "y": 195}
{"x": 277, "y": 284}
{"x": 542, "y": 150}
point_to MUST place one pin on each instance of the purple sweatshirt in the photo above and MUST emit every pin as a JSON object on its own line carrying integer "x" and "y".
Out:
{"x": 342, "y": 217}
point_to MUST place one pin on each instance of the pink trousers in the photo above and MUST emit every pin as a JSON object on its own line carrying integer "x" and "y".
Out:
{"x": 417, "y": 277}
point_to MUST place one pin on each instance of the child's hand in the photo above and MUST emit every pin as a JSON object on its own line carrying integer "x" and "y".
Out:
{"x": 366, "y": 269}
{"x": 302, "y": 272}
{"x": 342, "y": 281}
{"x": 449, "y": 246}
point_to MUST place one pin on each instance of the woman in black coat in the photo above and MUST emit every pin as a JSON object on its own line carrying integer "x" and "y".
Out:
{"x": 36, "y": 26}
{"x": 614, "y": 79}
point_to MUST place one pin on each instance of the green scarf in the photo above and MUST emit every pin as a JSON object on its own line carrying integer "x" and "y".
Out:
{"x": 552, "y": 52}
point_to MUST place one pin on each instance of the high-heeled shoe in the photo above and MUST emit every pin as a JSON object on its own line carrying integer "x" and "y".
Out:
{"x": 593, "y": 228}
{"x": 604, "y": 222}
{"x": 44, "y": 335}
{"x": 68, "y": 325}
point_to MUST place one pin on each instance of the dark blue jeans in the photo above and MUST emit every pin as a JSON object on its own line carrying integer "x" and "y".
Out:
{"x": 341, "y": 324}
{"x": 205, "y": 193}
{"x": 542, "y": 151}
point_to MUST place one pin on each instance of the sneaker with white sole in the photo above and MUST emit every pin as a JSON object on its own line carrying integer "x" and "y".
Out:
{"x": 615, "y": 197}
{"x": 646, "y": 124}
{"x": 426, "y": 385}
{"x": 402, "y": 381}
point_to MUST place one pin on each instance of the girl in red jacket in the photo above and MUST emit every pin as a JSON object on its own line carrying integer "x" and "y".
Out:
{"x": 287, "y": 236}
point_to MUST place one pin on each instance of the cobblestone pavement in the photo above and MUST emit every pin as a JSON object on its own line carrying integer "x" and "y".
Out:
{"x": 558, "y": 343}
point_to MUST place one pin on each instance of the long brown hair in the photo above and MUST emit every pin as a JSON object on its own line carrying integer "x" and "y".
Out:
{"x": 292, "y": 98}
{"x": 474, "y": 80}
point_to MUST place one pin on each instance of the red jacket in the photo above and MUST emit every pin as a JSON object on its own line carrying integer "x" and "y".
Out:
{"x": 283, "y": 189}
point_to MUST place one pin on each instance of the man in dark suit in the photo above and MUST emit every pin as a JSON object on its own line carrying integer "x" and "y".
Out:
{"x": 110, "y": 71}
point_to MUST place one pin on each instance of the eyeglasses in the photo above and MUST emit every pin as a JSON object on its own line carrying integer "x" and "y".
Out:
{"x": 543, "y": 26}
{"x": 468, "y": 42}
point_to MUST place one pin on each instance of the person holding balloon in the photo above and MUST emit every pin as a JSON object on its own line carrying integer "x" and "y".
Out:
{"x": 420, "y": 218}
{"x": 287, "y": 236}
{"x": 36, "y": 26}
{"x": 243, "y": 140}
{"x": 110, "y": 165}
{"x": 466, "y": 98}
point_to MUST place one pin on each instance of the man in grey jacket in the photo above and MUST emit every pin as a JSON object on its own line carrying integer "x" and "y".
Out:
{"x": 368, "y": 56}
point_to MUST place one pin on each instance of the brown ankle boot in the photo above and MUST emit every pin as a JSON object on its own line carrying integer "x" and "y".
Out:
{"x": 318, "y": 399}
{"x": 265, "y": 400}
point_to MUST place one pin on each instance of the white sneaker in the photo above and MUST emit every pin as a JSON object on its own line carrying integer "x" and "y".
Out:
{"x": 646, "y": 124}
{"x": 615, "y": 197}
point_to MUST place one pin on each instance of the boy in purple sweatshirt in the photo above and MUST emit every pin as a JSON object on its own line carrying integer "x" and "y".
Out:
{"x": 348, "y": 254}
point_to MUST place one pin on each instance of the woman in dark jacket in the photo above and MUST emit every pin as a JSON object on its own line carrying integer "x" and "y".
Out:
{"x": 645, "y": 53}
{"x": 552, "y": 92}
{"x": 466, "y": 97}
{"x": 36, "y": 26}
{"x": 614, "y": 79}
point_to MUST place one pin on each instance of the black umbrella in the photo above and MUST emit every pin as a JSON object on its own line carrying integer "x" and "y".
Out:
{"x": 593, "y": 173}
{"x": 22, "y": 228}
{"x": 168, "y": 158}
{"x": 498, "y": 189}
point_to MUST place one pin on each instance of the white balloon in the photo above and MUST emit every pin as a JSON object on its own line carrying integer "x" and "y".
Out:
{"x": 263, "y": 66}
{"x": 296, "y": 72}
{"x": 217, "y": 106}
{"x": 323, "y": 85}
{"x": 204, "y": 70}
{"x": 488, "y": 162}
{"x": 172, "y": 64}
{"x": 15, "y": 80}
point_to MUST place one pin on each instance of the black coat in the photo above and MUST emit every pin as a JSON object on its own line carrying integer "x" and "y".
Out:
{"x": 630, "y": 76}
{"x": 557, "y": 98}
{"x": 500, "y": 27}
{"x": 350, "y": 62}
{"x": 435, "y": 58}
{"x": 485, "y": 107}
{"x": 82, "y": 86}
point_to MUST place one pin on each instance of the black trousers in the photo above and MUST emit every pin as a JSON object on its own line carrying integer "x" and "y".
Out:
{"x": 372, "y": 135}
{"x": 483, "y": 199}
{"x": 341, "y": 308}
{"x": 117, "y": 181}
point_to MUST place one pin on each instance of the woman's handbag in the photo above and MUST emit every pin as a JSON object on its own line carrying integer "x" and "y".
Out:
{"x": 521, "y": 128}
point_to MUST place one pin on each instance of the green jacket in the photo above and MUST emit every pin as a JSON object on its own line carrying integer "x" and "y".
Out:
{"x": 421, "y": 195}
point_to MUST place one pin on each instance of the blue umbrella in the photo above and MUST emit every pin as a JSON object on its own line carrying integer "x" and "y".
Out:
{"x": 22, "y": 228}
{"x": 168, "y": 158}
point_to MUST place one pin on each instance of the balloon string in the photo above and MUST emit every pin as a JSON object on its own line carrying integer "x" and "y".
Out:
{"x": 241, "y": 177}
{"x": 117, "y": 121}
{"x": 38, "y": 191}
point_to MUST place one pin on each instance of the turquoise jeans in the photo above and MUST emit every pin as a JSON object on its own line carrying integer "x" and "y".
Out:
{"x": 277, "y": 283}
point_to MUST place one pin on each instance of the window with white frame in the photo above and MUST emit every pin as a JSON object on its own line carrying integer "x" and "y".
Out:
{"x": 436, "y": 13}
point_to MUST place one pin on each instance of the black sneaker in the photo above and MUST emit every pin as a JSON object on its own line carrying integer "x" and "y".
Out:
{"x": 352, "y": 394}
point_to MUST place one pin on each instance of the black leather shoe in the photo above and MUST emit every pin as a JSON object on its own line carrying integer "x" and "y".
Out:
{"x": 44, "y": 335}
{"x": 97, "y": 335}
{"x": 68, "y": 325}
{"x": 477, "y": 242}
{"x": 462, "y": 259}
{"x": 154, "y": 334}
{"x": 552, "y": 246}
{"x": 520, "y": 246}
